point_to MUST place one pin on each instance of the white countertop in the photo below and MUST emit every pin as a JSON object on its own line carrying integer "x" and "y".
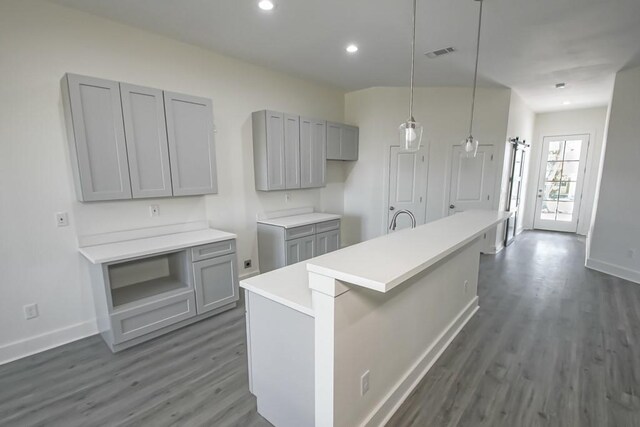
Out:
{"x": 385, "y": 262}
{"x": 118, "y": 251}
{"x": 288, "y": 286}
{"x": 299, "y": 220}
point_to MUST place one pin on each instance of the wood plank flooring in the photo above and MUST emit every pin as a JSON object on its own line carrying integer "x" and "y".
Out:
{"x": 553, "y": 344}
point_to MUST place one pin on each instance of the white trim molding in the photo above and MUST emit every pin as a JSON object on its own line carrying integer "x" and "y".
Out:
{"x": 613, "y": 270}
{"x": 39, "y": 343}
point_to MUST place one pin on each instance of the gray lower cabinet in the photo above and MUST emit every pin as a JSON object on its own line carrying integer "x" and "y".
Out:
{"x": 96, "y": 138}
{"x": 192, "y": 152}
{"x": 128, "y": 141}
{"x": 279, "y": 246}
{"x": 216, "y": 282}
{"x": 146, "y": 135}
{"x": 328, "y": 241}
{"x": 342, "y": 141}
{"x": 289, "y": 152}
{"x": 300, "y": 249}
{"x": 139, "y": 299}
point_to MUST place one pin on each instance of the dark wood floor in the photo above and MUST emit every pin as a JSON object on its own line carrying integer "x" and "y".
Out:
{"x": 552, "y": 344}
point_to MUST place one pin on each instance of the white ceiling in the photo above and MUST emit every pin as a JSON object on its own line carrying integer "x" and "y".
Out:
{"x": 527, "y": 45}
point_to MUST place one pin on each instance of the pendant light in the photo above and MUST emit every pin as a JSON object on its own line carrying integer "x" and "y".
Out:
{"x": 470, "y": 144}
{"x": 410, "y": 132}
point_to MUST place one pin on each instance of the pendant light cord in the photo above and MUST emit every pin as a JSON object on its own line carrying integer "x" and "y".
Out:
{"x": 475, "y": 75}
{"x": 413, "y": 54}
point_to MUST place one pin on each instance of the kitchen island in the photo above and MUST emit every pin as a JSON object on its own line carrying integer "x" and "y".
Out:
{"x": 342, "y": 339}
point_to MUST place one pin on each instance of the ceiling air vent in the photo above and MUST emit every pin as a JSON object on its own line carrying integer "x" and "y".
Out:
{"x": 440, "y": 52}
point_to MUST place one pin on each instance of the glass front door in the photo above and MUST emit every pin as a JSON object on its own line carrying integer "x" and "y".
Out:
{"x": 560, "y": 183}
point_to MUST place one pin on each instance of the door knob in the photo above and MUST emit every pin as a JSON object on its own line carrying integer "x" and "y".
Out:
{"x": 391, "y": 208}
{"x": 452, "y": 206}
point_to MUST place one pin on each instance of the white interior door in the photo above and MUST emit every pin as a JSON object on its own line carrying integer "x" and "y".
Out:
{"x": 407, "y": 186}
{"x": 560, "y": 182}
{"x": 473, "y": 179}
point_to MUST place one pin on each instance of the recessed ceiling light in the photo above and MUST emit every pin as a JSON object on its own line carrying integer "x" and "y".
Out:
{"x": 566, "y": 103}
{"x": 560, "y": 85}
{"x": 352, "y": 48}
{"x": 266, "y": 5}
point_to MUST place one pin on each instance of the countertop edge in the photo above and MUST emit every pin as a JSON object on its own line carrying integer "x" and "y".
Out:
{"x": 280, "y": 300}
{"x": 161, "y": 249}
{"x": 272, "y": 222}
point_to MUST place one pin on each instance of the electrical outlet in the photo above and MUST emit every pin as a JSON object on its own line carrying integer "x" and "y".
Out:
{"x": 466, "y": 286}
{"x": 62, "y": 219}
{"x": 247, "y": 263}
{"x": 364, "y": 383}
{"x": 30, "y": 311}
{"x": 154, "y": 210}
{"x": 287, "y": 197}
{"x": 631, "y": 253}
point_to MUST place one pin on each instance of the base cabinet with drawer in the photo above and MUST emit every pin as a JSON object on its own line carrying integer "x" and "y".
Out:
{"x": 141, "y": 298}
{"x": 279, "y": 246}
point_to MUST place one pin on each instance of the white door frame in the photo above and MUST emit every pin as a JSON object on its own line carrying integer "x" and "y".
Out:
{"x": 554, "y": 225}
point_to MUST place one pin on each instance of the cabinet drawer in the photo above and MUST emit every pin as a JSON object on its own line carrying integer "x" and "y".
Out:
{"x": 327, "y": 226}
{"x": 213, "y": 250}
{"x": 305, "y": 230}
{"x": 138, "y": 321}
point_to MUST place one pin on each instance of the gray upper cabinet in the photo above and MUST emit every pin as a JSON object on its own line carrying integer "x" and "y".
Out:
{"x": 269, "y": 150}
{"x": 313, "y": 152}
{"x": 96, "y": 138}
{"x": 146, "y": 136}
{"x": 342, "y": 141}
{"x": 190, "y": 133}
{"x": 292, "y": 151}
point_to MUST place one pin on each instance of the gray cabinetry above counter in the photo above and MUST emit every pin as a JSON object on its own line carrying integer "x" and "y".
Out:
{"x": 342, "y": 141}
{"x": 129, "y": 141}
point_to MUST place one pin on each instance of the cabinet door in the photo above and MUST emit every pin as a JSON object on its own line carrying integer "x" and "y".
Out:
{"x": 300, "y": 249}
{"x": 190, "y": 134}
{"x": 328, "y": 241}
{"x": 313, "y": 152}
{"x": 349, "y": 143}
{"x": 215, "y": 282}
{"x": 98, "y": 149}
{"x": 292, "y": 151}
{"x": 334, "y": 131}
{"x": 276, "y": 178}
{"x": 146, "y": 135}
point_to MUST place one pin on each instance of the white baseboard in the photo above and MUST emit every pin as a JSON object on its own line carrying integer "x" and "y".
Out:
{"x": 381, "y": 415}
{"x": 613, "y": 270}
{"x": 493, "y": 250}
{"x": 32, "y": 345}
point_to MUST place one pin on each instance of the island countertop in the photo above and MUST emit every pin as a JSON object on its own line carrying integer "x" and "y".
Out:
{"x": 385, "y": 262}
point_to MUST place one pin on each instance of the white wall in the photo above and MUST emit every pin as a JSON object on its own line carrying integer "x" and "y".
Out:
{"x": 614, "y": 246}
{"x": 589, "y": 121}
{"x": 521, "y": 124}
{"x": 444, "y": 113}
{"x": 39, "y": 42}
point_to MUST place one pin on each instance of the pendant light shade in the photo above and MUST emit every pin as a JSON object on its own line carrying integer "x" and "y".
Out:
{"x": 470, "y": 144}
{"x": 410, "y": 132}
{"x": 410, "y": 135}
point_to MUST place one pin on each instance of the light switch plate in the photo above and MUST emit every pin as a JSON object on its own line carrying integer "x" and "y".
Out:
{"x": 30, "y": 311}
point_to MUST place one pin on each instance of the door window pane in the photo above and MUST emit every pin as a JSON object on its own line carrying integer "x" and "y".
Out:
{"x": 549, "y": 210}
{"x": 565, "y": 211}
{"x": 554, "y": 171}
{"x": 551, "y": 190}
{"x": 570, "y": 171}
{"x": 567, "y": 192}
{"x": 556, "y": 149}
{"x": 572, "y": 150}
